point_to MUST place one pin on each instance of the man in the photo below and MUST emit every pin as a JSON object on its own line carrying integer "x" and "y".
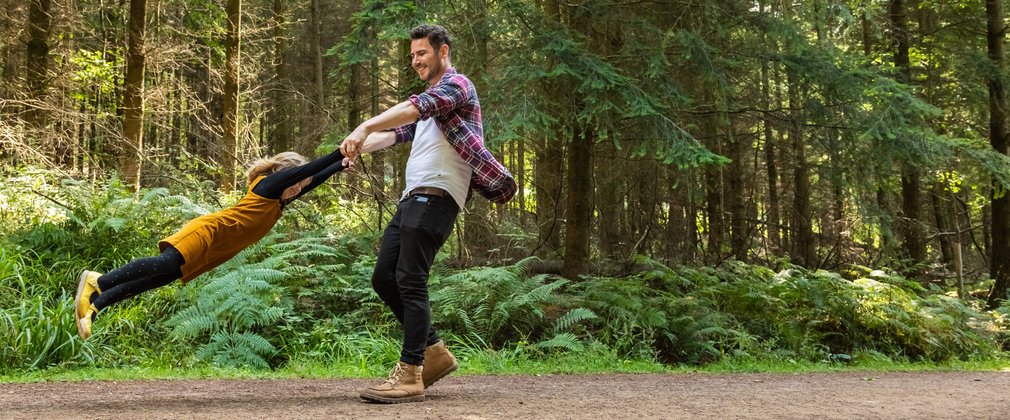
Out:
{"x": 447, "y": 160}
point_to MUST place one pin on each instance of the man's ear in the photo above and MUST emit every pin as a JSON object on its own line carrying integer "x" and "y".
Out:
{"x": 443, "y": 52}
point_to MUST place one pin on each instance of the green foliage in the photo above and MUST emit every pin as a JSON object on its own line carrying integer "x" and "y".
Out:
{"x": 645, "y": 318}
{"x": 813, "y": 315}
{"x": 493, "y": 305}
{"x": 379, "y": 20}
{"x": 105, "y": 225}
{"x": 53, "y": 228}
{"x": 95, "y": 71}
{"x": 39, "y": 333}
{"x": 228, "y": 308}
{"x": 304, "y": 296}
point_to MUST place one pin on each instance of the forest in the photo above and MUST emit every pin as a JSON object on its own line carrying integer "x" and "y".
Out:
{"x": 819, "y": 180}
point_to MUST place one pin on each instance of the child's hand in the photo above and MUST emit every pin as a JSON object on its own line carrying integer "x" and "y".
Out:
{"x": 349, "y": 164}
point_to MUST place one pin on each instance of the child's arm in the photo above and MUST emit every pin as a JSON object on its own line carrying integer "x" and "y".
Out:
{"x": 320, "y": 177}
{"x": 274, "y": 184}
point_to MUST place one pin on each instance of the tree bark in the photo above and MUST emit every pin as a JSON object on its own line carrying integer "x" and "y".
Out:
{"x": 736, "y": 195}
{"x": 408, "y": 81}
{"x": 713, "y": 191}
{"x": 772, "y": 218}
{"x": 548, "y": 169}
{"x": 804, "y": 244}
{"x": 579, "y": 204}
{"x": 999, "y": 256}
{"x": 942, "y": 225}
{"x": 231, "y": 100}
{"x": 318, "y": 80}
{"x": 914, "y": 245}
{"x": 354, "y": 97}
{"x": 609, "y": 202}
{"x": 478, "y": 232}
{"x": 133, "y": 97}
{"x": 280, "y": 132}
{"x": 678, "y": 246}
{"x": 519, "y": 168}
{"x": 867, "y": 34}
{"x": 39, "y": 29}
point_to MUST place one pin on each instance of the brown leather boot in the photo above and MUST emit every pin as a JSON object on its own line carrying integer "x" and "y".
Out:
{"x": 404, "y": 385}
{"x": 438, "y": 362}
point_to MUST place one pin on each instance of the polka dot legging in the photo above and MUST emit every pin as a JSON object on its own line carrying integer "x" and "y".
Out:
{"x": 139, "y": 276}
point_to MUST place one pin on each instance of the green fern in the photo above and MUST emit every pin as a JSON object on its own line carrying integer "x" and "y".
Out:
{"x": 566, "y": 341}
{"x": 238, "y": 298}
{"x": 573, "y": 317}
{"x": 495, "y": 305}
{"x": 236, "y": 349}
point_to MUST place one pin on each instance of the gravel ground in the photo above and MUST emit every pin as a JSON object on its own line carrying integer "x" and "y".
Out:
{"x": 850, "y": 395}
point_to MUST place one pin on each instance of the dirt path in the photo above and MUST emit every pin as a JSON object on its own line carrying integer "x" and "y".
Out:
{"x": 946, "y": 395}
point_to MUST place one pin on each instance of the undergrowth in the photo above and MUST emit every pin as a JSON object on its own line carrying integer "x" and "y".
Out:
{"x": 301, "y": 300}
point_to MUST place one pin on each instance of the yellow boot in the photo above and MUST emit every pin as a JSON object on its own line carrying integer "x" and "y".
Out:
{"x": 404, "y": 385}
{"x": 86, "y": 286}
{"x": 84, "y": 322}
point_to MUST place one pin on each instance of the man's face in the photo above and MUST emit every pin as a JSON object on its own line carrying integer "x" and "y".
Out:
{"x": 426, "y": 61}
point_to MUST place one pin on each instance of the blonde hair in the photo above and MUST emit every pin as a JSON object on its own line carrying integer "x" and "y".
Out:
{"x": 267, "y": 166}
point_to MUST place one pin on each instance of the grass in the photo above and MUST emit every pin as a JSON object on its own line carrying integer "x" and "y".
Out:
{"x": 874, "y": 365}
{"x": 516, "y": 361}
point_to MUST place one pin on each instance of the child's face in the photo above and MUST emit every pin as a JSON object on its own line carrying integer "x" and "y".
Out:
{"x": 293, "y": 190}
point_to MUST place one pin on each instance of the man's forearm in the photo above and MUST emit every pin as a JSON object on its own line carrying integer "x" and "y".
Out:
{"x": 402, "y": 113}
{"x": 378, "y": 141}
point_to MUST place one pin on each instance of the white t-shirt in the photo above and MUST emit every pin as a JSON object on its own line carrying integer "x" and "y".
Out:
{"x": 434, "y": 163}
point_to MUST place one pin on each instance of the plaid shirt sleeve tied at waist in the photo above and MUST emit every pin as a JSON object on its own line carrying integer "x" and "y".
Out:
{"x": 454, "y": 105}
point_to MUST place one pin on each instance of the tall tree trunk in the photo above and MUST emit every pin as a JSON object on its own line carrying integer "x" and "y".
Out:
{"x": 803, "y": 242}
{"x": 609, "y": 201}
{"x": 929, "y": 21}
{"x": 735, "y": 194}
{"x": 678, "y": 247}
{"x": 378, "y": 168}
{"x": 39, "y": 28}
{"x": 177, "y": 146}
{"x": 914, "y": 244}
{"x": 478, "y": 234}
{"x": 772, "y": 218}
{"x": 999, "y": 257}
{"x": 643, "y": 209}
{"x": 867, "y": 33}
{"x": 519, "y": 168}
{"x": 280, "y": 121}
{"x": 7, "y": 111}
{"x": 231, "y": 86}
{"x": 408, "y": 81}
{"x": 942, "y": 225}
{"x": 579, "y": 201}
{"x": 548, "y": 171}
{"x": 354, "y": 107}
{"x": 317, "y": 78}
{"x": 713, "y": 190}
{"x": 133, "y": 97}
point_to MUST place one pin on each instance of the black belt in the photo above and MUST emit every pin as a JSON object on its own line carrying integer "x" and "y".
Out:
{"x": 438, "y": 192}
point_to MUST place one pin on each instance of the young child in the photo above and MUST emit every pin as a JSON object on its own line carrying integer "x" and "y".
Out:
{"x": 208, "y": 241}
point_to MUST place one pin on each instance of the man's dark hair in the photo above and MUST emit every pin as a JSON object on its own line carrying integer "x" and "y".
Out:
{"x": 437, "y": 35}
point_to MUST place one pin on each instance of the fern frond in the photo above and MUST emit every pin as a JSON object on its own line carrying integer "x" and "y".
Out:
{"x": 566, "y": 341}
{"x": 574, "y": 316}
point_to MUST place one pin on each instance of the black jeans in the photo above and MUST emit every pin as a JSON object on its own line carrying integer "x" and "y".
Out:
{"x": 421, "y": 225}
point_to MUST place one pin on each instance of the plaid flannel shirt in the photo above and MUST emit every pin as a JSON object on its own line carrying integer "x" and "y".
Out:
{"x": 453, "y": 103}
